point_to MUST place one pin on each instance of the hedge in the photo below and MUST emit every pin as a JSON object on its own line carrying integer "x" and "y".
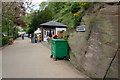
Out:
{"x": 0, "y": 42}
{"x": 5, "y": 40}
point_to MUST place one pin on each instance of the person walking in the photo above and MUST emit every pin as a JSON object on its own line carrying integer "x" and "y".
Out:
{"x": 23, "y": 37}
{"x": 35, "y": 38}
{"x": 38, "y": 38}
{"x": 32, "y": 38}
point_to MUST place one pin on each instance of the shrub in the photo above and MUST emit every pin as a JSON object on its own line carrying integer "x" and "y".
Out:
{"x": 75, "y": 7}
{"x": 0, "y": 42}
{"x": 5, "y": 40}
{"x": 77, "y": 17}
{"x": 15, "y": 36}
{"x": 10, "y": 37}
{"x": 85, "y": 5}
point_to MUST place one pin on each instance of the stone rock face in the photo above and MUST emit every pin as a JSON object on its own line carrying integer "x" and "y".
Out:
{"x": 103, "y": 42}
{"x": 113, "y": 70}
{"x": 95, "y": 55}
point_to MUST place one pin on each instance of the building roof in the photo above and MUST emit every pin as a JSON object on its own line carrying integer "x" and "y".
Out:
{"x": 53, "y": 24}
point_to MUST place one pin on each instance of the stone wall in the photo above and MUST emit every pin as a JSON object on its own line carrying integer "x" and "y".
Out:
{"x": 95, "y": 56}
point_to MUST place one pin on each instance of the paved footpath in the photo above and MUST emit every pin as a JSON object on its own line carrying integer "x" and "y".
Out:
{"x": 24, "y": 59}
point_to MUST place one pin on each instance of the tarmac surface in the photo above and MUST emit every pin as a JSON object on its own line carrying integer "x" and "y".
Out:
{"x": 24, "y": 59}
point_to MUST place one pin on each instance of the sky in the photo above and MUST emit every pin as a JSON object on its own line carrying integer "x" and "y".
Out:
{"x": 36, "y": 3}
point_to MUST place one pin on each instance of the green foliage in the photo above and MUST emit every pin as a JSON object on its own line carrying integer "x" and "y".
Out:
{"x": 5, "y": 26}
{"x": 43, "y": 5}
{"x": 11, "y": 11}
{"x": 65, "y": 15}
{"x": 41, "y": 17}
{"x": 15, "y": 33}
{"x": 78, "y": 18}
{"x": 85, "y": 5}
{"x": 57, "y": 6}
{"x": 5, "y": 40}
{"x": 75, "y": 7}
{"x": 27, "y": 19}
{"x": 10, "y": 37}
{"x": 0, "y": 42}
{"x": 27, "y": 30}
{"x": 57, "y": 11}
{"x": 30, "y": 30}
{"x": 15, "y": 36}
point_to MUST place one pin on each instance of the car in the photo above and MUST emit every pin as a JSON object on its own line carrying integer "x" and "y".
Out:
{"x": 4, "y": 34}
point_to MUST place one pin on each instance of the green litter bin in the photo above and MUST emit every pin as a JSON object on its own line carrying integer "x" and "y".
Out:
{"x": 59, "y": 48}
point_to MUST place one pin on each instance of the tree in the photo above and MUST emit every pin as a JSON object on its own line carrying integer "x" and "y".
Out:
{"x": 45, "y": 13}
{"x": 56, "y": 6}
{"x": 43, "y": 5}
{"x": 12, "y": 14}
{"x": 41, "y": 17}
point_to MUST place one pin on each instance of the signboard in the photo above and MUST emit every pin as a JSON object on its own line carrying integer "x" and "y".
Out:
{"x": 81, "y": 28}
